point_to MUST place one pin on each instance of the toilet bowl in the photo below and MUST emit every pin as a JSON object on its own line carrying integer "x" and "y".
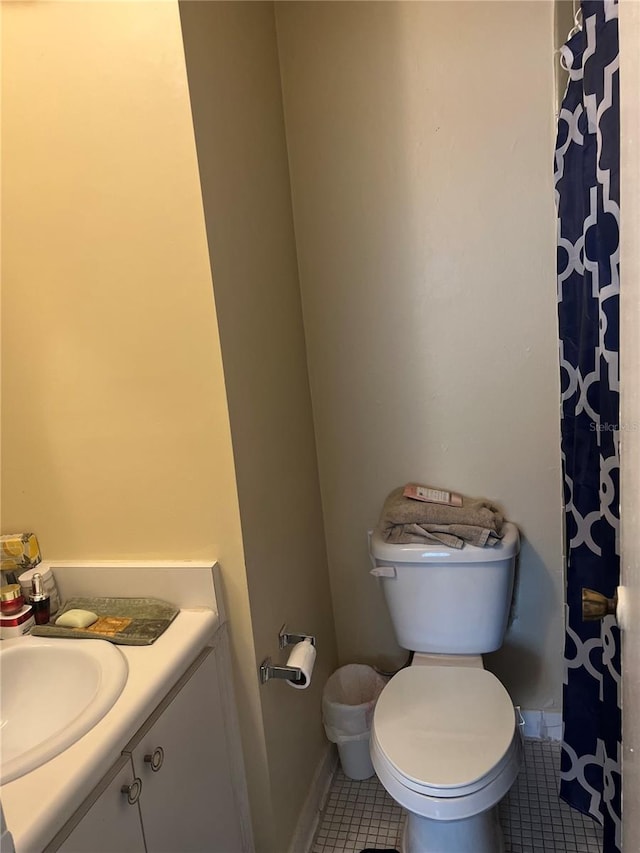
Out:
{"x": 445, "y": 742}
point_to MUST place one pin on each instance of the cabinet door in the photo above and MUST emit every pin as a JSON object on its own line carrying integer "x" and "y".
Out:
{"x": 107, "y": 821}
{"x": 188, "y": 804}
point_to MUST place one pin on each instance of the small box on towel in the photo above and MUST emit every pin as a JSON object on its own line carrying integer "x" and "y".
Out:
{"x": 431, "y": 495}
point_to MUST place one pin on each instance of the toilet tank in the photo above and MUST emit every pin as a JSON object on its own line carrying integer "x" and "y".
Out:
{"x": 446, "y": 600}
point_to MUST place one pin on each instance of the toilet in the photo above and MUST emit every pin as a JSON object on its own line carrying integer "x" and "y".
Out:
{"x": 445, "y": 740}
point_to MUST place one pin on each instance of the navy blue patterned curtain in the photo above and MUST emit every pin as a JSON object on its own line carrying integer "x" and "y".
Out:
{"x": 587, "y": 168}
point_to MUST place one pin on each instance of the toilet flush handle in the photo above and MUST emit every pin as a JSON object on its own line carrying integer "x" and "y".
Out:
{"x": 383, "y": 572}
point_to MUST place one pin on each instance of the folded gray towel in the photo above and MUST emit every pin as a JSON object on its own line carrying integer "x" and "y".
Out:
{"x": 404, "y": 520}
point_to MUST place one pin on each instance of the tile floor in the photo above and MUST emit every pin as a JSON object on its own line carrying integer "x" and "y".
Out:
{"x": 361, "y": 814}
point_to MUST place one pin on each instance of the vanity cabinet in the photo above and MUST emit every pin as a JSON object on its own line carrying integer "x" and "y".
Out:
{"x": 106, "y": 821}
{"x": 181, "y": 757}
{"x": 173, "y": 788}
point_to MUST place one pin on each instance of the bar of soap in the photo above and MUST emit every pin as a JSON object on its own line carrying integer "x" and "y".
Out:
{"x": 76, "y": 619}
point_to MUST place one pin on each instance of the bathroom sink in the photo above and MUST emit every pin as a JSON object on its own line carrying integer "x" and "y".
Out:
{"x": 53, "y": 691}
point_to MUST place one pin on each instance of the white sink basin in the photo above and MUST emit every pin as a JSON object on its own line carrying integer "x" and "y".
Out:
{"x": 52, "y": 692}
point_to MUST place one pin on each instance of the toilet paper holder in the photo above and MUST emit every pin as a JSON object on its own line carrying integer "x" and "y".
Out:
{"x": 286, "y": 638}
{"x": 289, "y": 673}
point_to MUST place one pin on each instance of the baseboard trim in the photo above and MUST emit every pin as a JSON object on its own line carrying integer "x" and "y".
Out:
{"x": 542, "y": 725}
{"x": 314, "y": 803}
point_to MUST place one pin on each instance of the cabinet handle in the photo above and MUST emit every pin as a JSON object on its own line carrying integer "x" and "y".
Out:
{"x": 155, "y": 758}
{"x": 133, "y": 791}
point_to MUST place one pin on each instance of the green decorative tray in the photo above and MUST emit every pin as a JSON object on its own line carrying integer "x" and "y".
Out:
{"x": 124, "y": 621}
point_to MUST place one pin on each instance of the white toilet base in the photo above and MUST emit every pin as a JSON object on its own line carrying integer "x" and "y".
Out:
{"x": 480, "y": 833}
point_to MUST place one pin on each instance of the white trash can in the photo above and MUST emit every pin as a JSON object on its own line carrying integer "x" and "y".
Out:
{"x": 348, "y": 700}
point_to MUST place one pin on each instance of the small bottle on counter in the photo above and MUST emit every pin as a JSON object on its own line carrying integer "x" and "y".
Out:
{"x": 11, "y": 599}
{"x": 48, "y": 582}
{"x": 39, "y": 600}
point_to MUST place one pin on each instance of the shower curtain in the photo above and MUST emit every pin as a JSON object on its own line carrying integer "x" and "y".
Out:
{"x": 587, "y": 199}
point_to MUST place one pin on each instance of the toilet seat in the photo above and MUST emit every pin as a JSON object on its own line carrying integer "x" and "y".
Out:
{"x": 448, "y": 795}
{"x": 444, "y": 731}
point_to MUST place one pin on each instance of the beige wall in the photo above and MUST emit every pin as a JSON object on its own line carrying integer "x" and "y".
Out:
{"x": 420, "y": 141}
{"x": 117, "y": 440}
{"x": 115, "y": 428}
{"x": 235, "y": 90}
{"x": 109, "y": 332}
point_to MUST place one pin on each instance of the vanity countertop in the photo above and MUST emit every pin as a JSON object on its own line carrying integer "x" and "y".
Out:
{"x": 38, "y": 804}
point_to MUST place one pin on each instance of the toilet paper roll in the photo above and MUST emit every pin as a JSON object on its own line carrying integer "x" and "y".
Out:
{"x": 303, "y": 657}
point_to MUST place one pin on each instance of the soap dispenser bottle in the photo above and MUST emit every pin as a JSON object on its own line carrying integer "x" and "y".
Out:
{"x": 39, "y": 600}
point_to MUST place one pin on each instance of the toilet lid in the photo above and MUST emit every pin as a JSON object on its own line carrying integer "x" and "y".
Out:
{"x": 444, "y": 726}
